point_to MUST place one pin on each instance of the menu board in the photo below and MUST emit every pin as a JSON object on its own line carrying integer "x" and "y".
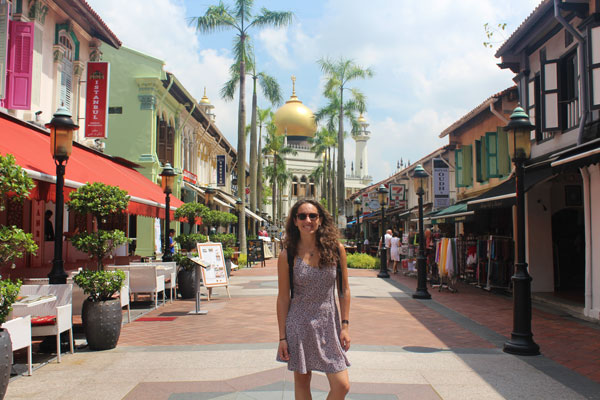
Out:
{"x": 256, "y": 251}
{"x": 215, "y": 273}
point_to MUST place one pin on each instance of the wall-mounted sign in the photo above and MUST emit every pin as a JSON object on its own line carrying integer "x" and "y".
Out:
{"x": 441, "y": 184}
{"x": 221, "y": 170}
{"x": 189, "y": 177}
{"x": 397, "y": 194}
{"x": 96, "y": 99}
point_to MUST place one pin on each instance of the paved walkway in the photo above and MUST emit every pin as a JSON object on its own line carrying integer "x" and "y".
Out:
{"x": 445, "y": 348}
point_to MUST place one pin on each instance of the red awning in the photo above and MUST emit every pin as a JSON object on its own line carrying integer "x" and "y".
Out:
{"x": 31, "y": 149}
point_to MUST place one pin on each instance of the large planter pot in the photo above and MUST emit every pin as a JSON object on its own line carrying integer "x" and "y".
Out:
{"x": 102, "y": 323}
{"x": 5, "y": 360}
{"x": 186, "y": 281}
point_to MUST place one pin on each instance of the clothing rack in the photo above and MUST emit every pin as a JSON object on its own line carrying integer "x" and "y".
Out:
{"x": 500, "y": 262}
{"x": 447, "y": 278}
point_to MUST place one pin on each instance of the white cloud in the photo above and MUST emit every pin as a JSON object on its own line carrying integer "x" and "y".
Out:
{"x": 275, "y": 42}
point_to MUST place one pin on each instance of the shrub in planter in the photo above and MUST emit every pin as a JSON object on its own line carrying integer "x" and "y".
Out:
{"x": 8, "y": 295}
{"x": 101, "y": 314}
{"x": 188, "y": 242}
{"x": 364, "y": 261}
{"x": 242, "y": 260}
{"x": 191, "y": 212}
{"x": 186, "y": 275}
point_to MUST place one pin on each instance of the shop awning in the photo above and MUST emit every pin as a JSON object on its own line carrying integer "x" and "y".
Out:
{"x": 579, "y": 156}
{"x": 504, "y": 194}
{"x": 253, "y": 215}
{"x": 221, "y": 202}
{"x": 451, "y": 214}
{"x": 31, "y": 148}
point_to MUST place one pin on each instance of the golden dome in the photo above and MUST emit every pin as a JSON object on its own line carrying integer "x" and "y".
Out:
{"x": 361, "y": 119}
{"x": 294, "y": 118}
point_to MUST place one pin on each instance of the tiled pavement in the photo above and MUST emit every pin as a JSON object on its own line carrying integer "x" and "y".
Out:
{"x": 448, "y": 348}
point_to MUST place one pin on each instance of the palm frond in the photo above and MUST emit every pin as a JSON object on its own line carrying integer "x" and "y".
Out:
{"x": 276, "y": 19}
{"x": 271, "y": 88}
{"x": 216, "y": 18}
{"x": 229, "y": 88}
{"x": 243, "y": 10}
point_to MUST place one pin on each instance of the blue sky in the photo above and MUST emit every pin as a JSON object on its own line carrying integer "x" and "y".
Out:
{"x": 429, "y": 61}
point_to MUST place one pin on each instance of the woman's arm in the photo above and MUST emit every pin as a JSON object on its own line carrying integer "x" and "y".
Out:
{"x": 283, "y": 303}
{"x": 344, "y": 300}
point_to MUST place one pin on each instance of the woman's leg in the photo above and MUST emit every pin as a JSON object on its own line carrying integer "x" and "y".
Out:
{"x": 339, "y": 385}
{"x": 302, "y": 386}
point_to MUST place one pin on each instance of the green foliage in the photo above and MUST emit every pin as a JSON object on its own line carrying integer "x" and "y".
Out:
{"x": 227, "y": 253}
{"x": 490, "y": 31}
{"x": 227, "y": 239}
{"x": 98, "y": 199}
{"x": 13, "y": 181}
{"x": 14, "y": 243}
{"x": 100, "y": 285}
{"x": 8, "y": 295}
{"x": 188, "y": 242}
{"x": 218, "y": 218}
{"x": 363, "y": 261}
{"x": 183, "y": 261}
{"x": 191, "y": 211}
{"x": 99, "y": 244}
{"x": 243, "y": 260}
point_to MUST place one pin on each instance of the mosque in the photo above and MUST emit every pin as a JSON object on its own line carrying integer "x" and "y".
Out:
{"x": 297, "y": 123}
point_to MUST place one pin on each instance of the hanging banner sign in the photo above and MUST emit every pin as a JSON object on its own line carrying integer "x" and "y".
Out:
{"x": 397, "y": 194}
{"x": 189, "y": 177}
{"x": 221, "y": 170}
{"x": 441, "y": 184}
{"x": 96, "y": 99}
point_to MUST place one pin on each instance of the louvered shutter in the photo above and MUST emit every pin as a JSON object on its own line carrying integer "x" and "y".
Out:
{"x": 491, "y": 145}
{"x": 20, "y": 62}
{"x": 4, "y": 9}
{"x": 458, "y": 167}
{"x": 531, "y": 101}
{"x": 161, "y": 144}
{"x": 171, "y": 145}
{"x": 503, "y": 157}
{"x": 595, "y": 66}
{"x": 66, "y": 83}
{"x": 550, "y": 95}
{"x": 467, "y": 152}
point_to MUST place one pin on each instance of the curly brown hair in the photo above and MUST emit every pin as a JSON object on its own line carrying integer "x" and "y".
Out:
{"x": 327, "y": 234}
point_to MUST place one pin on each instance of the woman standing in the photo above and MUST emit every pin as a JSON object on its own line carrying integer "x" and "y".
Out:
{"x": 395, "y": 251}
{"x": 311, "y": 335}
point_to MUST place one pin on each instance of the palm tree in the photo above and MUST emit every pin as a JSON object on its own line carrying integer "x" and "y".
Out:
{"x": 272, "y": 92}
{"x": 240, "y": 19}
{"x": 338, "y": 74}
{"x": 276, "y": 148}
{"x": 322, "y": 143}
{"x": 263, "y": 115}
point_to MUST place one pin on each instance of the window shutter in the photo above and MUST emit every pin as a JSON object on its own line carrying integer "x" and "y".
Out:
{"x": 478, "y": 171}
{"x": 171, "y": 145}
{"x": 467, "y": 153}
{"x": 550, "y": 96}
{"x": 66, "y": 83}
{"x": 502, "y": 154}
{"x": 161, "y": 142}
{"x": 531, "y": 100}
{"x": 20, "y": 62}
{"x": 595, "y": 66}
{"x": 458, "y": 167}
{"x": 4, "y": 9}
{"x": 491, "y": 144}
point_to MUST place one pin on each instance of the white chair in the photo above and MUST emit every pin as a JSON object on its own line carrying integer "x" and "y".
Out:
{"x": 146, "y": 279}
{"x": 60, "y": 309}
{"x": 124, "y": 296}
{"x": 19, "y": 330}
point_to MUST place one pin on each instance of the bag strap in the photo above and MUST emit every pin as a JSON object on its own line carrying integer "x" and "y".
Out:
{"x": 339, "y": 275}
{"x": 290, "y": 259}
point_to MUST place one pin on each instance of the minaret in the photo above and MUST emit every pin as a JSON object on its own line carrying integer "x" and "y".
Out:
{"x": 207, "y": 107}
{"x": 361, "y": 138}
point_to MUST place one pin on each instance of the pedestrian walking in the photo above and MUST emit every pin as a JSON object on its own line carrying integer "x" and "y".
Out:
{"x": 395, "y": 251}
{"x": 312, "y": 336}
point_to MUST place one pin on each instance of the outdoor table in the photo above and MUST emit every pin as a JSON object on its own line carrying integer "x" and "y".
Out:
{"x": 33, "y": 300}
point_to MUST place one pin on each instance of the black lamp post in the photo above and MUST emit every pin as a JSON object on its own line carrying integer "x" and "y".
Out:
{"x": 357, "y": 211}
{"x": 238, "y": 207}
{"x": 420, "y": 180}
{"x": 382, "y": 193}
{"x": 519, "y": 145}
{"x": 61, "y": 144}
{"x": 168, "y": 177}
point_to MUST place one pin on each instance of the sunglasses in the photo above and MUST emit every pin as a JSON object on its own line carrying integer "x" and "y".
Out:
{"x": 303, "y": 216}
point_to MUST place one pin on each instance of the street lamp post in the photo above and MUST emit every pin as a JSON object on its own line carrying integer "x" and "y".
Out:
{"x": 168, "y": 177}
{"x": 519, "y": 145}
{"x": 420, "y": 180}
{"x": 382, "y": 193}
{"x": 357, "y": 211}
{"x": 61, "y": 144}
{"x": 238, "y": 207}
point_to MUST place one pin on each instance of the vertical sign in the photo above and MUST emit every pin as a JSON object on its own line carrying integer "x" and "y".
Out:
{"x": 397, "y": 194}
{"x": 221, "y": 170}
{"x": 441, "y": 184}
{"x": 96, "y": 99}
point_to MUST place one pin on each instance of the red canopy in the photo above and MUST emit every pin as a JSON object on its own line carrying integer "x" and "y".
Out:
{"x": 31, "y": 149}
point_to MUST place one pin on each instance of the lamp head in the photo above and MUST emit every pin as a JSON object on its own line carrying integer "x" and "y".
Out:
{"x": 519, "y": 130}
{"x": 420, "y": 179}
{"x": 168, "y": 178}
{"x": 61, "y": 134}
{"x": 382, "y": 193}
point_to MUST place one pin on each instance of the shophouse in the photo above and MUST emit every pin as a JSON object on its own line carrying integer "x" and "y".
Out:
{"x": 555, "y": 54}
{"x": 49, "y": 45}
{"x": 154, "y": 120}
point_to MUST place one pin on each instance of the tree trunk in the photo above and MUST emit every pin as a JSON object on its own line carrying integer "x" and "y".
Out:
{"x": 329, "y": 182}
{"x": 274, "y": 181}
{"x": 340, "y": 163}
{"x": 334, "y": 191}
{"x": 241, "y": 152}
{"x": 259, "y": 173}
{"x": 253, "y": 155}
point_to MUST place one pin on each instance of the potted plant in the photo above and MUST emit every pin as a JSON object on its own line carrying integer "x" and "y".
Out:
{"x": 101, "y": 313}
{"x": 186, "y": 275}
{"x": 15, "y": 186}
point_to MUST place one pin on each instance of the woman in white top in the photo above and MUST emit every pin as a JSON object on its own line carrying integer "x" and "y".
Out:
{"x": 395, "y": 251}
